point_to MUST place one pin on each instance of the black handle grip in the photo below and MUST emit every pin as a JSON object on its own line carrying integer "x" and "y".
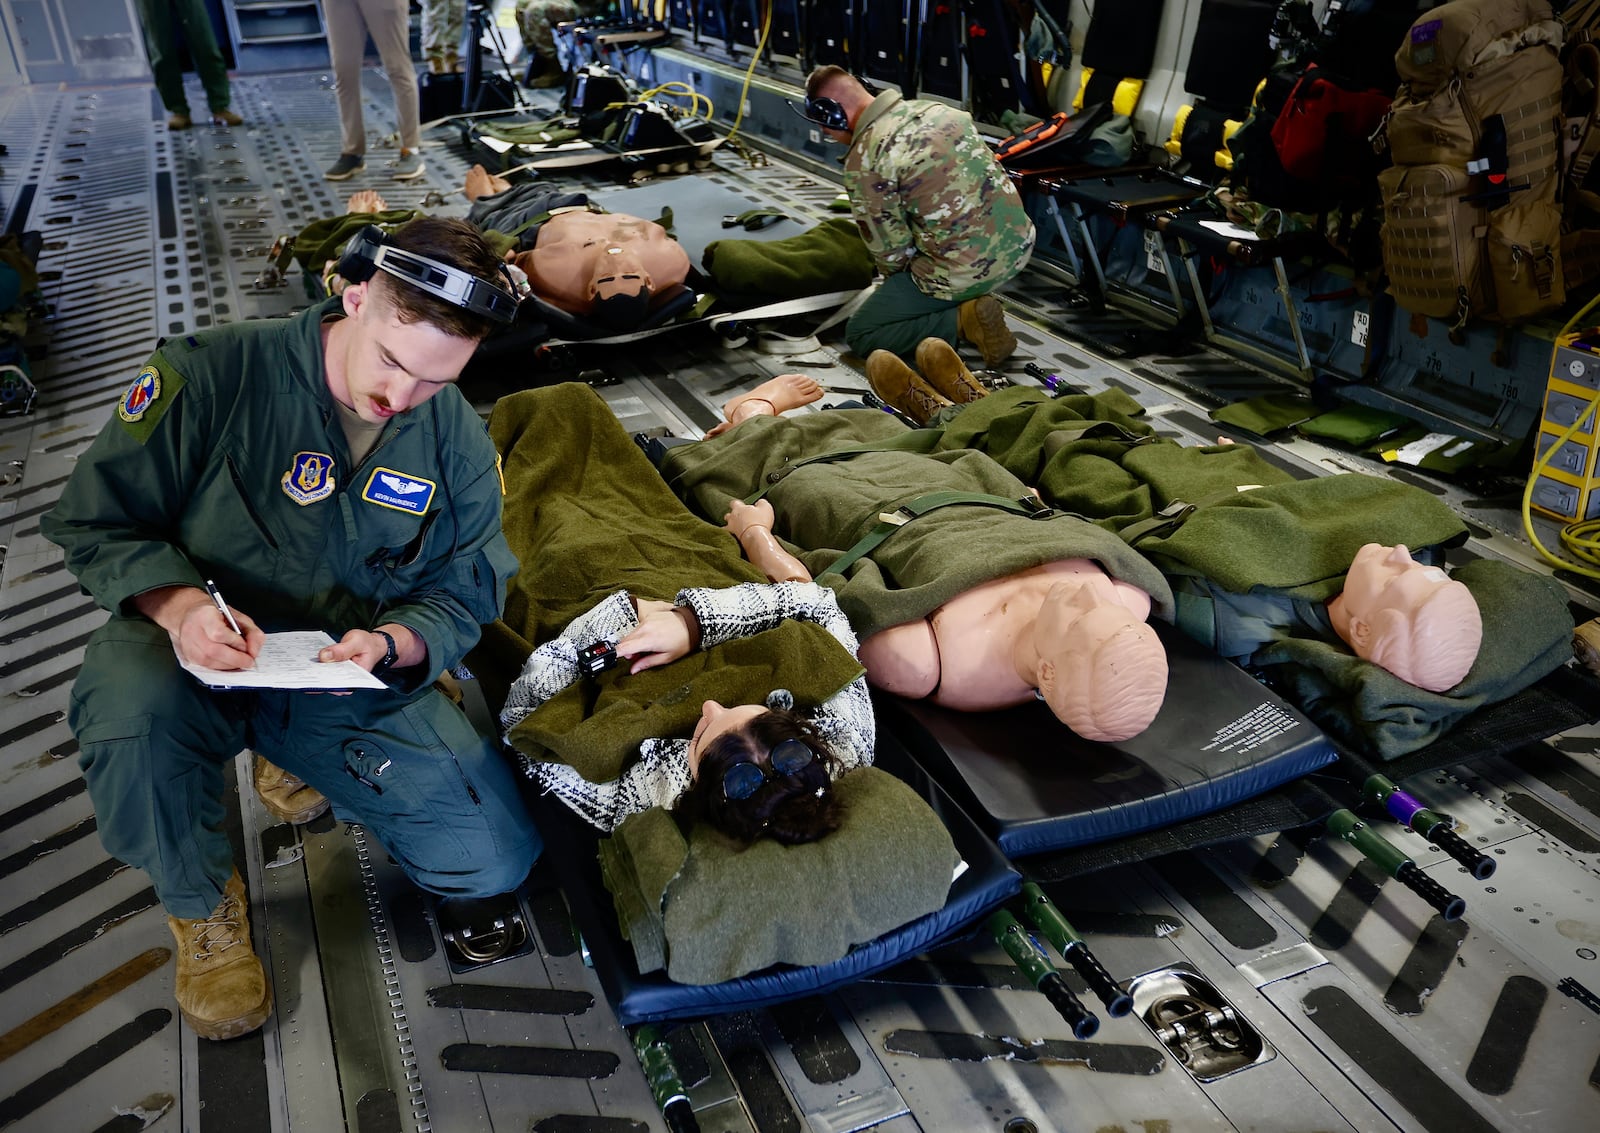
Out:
{"x": 1083, "y": 1022}
{"x": 1478, "y": 864}
{"x": 1449, "y": 905}
{"x": 679, "y": 1116}
{"x": 1118, "y": 1002}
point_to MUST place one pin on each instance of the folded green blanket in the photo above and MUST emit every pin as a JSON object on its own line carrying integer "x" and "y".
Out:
{"x": 830, "y": 257}
{"x": 322, "y": 240}
{"x": 1527, "y": 632}
{"x": 718, "y": 912}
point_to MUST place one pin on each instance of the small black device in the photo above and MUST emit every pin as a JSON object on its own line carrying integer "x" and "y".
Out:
{"x": 369, "y": 252}
{"x": 827, "y": 112}
{"x": 597, "y": 658}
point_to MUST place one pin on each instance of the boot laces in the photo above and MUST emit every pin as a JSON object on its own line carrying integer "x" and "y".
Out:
{"x": 219, "y": 932}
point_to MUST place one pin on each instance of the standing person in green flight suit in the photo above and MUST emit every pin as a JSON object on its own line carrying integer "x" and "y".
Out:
{"x": 325, "y": 472}
{"x": 161, "y": 20}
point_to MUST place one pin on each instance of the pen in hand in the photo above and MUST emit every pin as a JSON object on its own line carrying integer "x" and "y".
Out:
{"x": 216, "y": 596}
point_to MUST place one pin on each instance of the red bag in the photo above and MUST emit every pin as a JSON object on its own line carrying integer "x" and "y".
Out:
{"x": 1320, "y": 121}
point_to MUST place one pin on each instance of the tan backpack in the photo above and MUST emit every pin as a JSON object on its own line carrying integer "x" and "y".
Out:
{"x": 1472, "y": 218}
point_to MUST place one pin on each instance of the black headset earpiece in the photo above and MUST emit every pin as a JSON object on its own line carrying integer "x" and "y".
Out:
{"x": 369, "y": 252}
{"x": 827, "y": 113}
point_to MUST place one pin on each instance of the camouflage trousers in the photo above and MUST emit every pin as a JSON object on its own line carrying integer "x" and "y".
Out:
{"x": 537, "y": 20}
{"x": 442, "y": 21}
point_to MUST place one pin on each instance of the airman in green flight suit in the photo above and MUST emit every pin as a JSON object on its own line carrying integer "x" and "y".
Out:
{"x": 325, "y": 472}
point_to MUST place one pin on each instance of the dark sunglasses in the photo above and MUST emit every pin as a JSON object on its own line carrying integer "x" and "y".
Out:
{"x": 744, "y": 779}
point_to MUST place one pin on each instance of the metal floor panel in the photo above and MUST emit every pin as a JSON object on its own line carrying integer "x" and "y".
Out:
{"x": 152, "y": 233}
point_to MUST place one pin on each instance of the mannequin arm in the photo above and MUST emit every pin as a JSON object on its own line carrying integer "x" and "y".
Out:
{"x": 751, "y": 524}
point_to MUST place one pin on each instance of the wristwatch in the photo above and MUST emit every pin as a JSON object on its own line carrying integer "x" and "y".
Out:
{"x": 390, "y": 655}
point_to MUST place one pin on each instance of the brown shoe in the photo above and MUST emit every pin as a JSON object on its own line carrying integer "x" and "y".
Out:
{"x": 286, "y": 795}
{"x": 982, "y": 322}
{"x": 1586, "y": 645}
{"x": 179, "y": 122}
{"x": 903, "y": 388}
{"x": 943, "y": 369}
{"x": 222, "y": 989}
{"x": 226, "y": 117}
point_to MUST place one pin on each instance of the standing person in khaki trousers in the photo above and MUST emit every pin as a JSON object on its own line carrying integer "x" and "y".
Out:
{"x": 388, "y": 22}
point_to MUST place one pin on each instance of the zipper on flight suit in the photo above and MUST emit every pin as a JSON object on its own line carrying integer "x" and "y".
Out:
{"x": 250, "y": 508}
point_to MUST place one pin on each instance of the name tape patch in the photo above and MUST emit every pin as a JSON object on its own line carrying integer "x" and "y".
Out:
{"x": 389, "y": 488}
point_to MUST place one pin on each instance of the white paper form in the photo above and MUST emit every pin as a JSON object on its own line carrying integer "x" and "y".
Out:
{"x": 289, "y": 660}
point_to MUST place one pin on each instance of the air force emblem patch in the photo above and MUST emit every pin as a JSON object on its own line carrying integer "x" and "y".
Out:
{"x": 141, "y": 395}
{"x": 310, "y": 478}
{"x": 391, "y": 489}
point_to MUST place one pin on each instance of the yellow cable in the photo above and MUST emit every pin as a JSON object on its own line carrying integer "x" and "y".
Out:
{"x": 749, "y": 72}
{"x": 1577, "y": 537}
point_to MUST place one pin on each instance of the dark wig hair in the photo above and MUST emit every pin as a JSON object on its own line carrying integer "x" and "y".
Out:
{"x": 623, "y": 312}
{"x": 790, "y": 809}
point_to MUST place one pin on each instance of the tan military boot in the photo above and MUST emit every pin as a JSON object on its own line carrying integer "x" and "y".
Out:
{"x": 286, "y": 795}
{"x": 1586, "y": 645}
{"x": 982, "y": 322}
{"x": 222, "y": 989}
{"x": 942, "y": 368}
{"x": 902, "y": 387}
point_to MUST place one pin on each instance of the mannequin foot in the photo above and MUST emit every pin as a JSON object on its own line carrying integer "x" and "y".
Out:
{"x": 782, "y": 393}
{"x": 481, "y": 183}
{"x": 1586, "y": 645}
{"x": 365, "y": 200}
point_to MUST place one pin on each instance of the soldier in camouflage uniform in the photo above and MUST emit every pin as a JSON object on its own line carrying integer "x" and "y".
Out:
{"x": 537, "y": 20}
{"x": 941, "y": 218}
{"x": 442, "y": 22}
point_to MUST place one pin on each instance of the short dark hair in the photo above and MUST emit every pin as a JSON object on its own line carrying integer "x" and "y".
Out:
{"x": 821, "y": 76}
{"x": 790, "y": 809}
{"x": 623, "y": 312}
{"x": 450, "y": 241}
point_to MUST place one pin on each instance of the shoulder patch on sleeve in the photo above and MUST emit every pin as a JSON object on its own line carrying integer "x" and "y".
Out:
{"x": 142, "y": 405}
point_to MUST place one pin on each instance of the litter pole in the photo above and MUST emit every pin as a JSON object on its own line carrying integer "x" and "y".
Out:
{"x": 1055, "y": 928}
{"x": 1439, "y": 829}
{"x": 1348, "y": 826}
{"x": 650, "y": 1046}
{"x": 1031, "y": 960}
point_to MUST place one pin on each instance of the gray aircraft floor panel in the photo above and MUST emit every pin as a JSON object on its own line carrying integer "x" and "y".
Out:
{"x": 161, "y": 233}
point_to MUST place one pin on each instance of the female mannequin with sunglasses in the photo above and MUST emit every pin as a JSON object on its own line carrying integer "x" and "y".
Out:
{"x": 750, "y": 770}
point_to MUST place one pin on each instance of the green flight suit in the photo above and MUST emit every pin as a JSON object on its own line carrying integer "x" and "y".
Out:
{"x": 160, "y": 21}
{"x": 225, "y": 460}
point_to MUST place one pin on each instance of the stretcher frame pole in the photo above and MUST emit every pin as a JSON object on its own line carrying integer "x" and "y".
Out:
{"x": 1032, "y": 962}
{"x": 661, "y": 1074}
{"x": 1055, "y": 927}
{"x": 1347, "y": 825}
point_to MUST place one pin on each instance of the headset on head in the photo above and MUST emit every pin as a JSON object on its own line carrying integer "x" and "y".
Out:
{"x": 369, "y": 252}
{"x": 827, "y": 112}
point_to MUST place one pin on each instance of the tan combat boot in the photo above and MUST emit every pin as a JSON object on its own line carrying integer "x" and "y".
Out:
{"x": 1586, "y": 645}
{"x": 222, "y": 989}
{"x": 942, "y": 368}
{"x": 982, "y": 322}
{"x": 902, "y": 387}
{"x": 286, "y": 796}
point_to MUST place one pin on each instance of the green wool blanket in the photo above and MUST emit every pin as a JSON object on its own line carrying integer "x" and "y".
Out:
{"x": 587, "y": 515}
{"x": 830, "y": 257}
{"x": 1287, "y": 537}
{"x": 823, "y": 508}
{"x": 708, "y": 911}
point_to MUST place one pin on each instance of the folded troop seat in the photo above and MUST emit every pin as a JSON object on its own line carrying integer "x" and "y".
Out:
{"x": 705, "y": 927}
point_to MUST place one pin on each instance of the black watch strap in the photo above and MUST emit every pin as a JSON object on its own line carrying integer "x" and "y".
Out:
{"x": 391, "y": 654}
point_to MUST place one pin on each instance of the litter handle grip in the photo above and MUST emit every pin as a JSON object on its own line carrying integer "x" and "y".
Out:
{"x": 1449, "y": 905}
{"x": 1069, "y": 1006}
{"x": 1480, "y": 865}
{"x": 1118, "y": 1002}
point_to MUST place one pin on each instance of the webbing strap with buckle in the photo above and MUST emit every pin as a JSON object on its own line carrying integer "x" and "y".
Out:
{"x": 891, "y": 521}
{"x": 1164, "y": 522}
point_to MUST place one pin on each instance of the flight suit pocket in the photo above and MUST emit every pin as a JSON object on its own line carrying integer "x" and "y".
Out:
{"x": 407, "y": 798}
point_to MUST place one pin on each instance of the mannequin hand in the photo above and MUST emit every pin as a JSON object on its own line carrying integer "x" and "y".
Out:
{"x": 742, "y": 517}
{"x": 664, "y": 634}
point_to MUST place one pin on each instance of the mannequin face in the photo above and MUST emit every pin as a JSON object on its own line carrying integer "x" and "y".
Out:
{"x": 618, "y": 272}
{"x": 1387, "y": 578}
